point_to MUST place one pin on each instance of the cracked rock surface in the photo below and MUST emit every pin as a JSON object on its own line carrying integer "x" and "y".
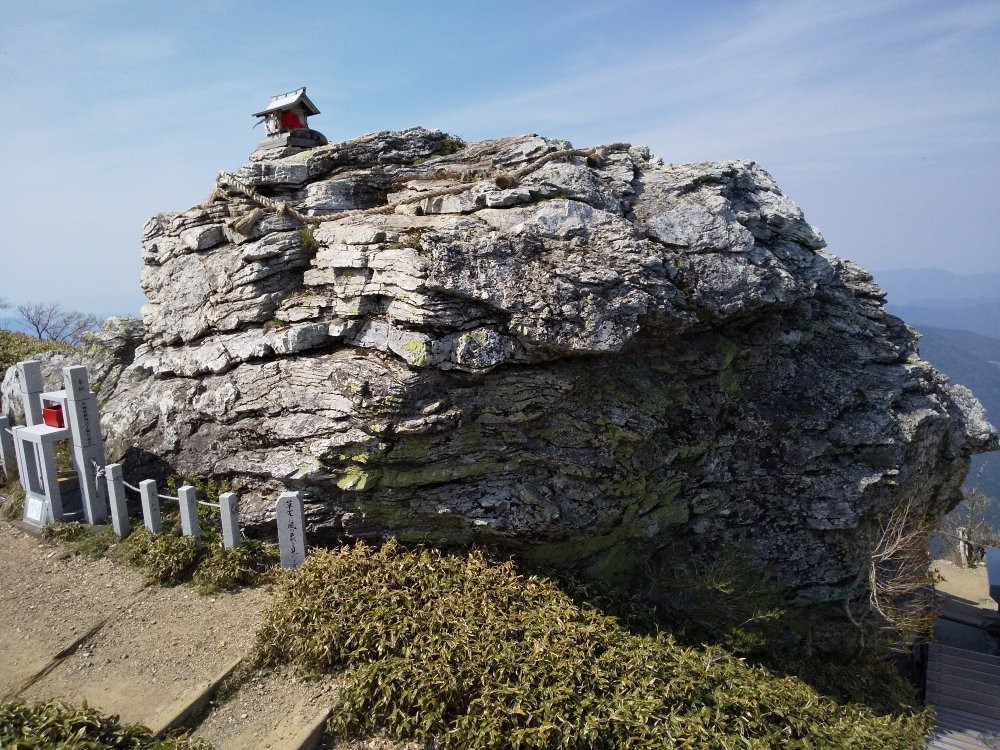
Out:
{"x": 583, "y": 362}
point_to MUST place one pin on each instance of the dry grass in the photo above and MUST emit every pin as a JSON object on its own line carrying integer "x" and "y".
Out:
{"x": 53, "y": 724}
{"x": 469, "y": 653}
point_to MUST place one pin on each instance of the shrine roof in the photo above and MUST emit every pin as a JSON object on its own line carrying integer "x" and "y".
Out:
{"x": 289, "y": 100}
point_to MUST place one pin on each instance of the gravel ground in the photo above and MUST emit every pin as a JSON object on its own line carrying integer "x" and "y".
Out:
{"x": 153, "y": 650}
{"x": 158, "y": 653}
{"x": 49, "y": 598}
{"x": 970, "y": 585}
{"x": 268, "y": 706}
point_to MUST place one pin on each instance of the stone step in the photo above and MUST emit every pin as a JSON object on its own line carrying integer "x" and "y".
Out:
{"x": 987, "y": 693}
{"x": 948, "y": 653}
{"x": 963, "y": 701}
{"x": 964, "y": 670}
{"x": 966, "y": 681}
{"x": 270, "y": 709}
{"x": 49, "y": 609}
{"x": 949, "y": 718}
{"x": 159, "y": 661}
{"x": 956, "y": 741}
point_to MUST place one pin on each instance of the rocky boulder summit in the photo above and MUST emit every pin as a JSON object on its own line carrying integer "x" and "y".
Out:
{"x": 583, "y": 356}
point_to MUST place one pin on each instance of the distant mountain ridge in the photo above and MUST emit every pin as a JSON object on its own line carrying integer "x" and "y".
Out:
{"x": 930, "y": 297}
{"x": 982, "y": 318}
{"x": 972, "y": 360}
{"x": 936, "y": 287}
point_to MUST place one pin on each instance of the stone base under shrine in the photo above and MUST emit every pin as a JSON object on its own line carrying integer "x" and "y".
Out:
{"x": 302, "y": 138}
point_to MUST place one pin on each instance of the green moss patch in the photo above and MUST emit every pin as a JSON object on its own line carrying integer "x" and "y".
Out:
{"x": 468, "y": 652}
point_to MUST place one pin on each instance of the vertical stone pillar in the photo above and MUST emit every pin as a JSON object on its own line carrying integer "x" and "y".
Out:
{"x": 50, "y": 480}
{"x": 116, "y": 496}
{"x": 230, "y": 520}
{"x": 7, "y": 448}
{"x": 88, "y": 447}
{"x": 29, "y": 482}
{"x": 29, "y": 373}
{"x": 150, "y": 506}
{"x": 291, "y": 518}
{"x": 190, "y": 526}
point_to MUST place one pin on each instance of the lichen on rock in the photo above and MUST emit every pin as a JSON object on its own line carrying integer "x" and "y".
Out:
{"x": 583, "y": 362}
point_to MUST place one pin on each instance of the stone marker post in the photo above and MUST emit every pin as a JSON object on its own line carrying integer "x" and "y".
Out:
{"x": 291, "y": 520}
{"x": 116, "y": 496}
{"x": 88, "y": 447}
{"x": 36, "y": 463}
{"x": 7, "y": 448}
{"x": 963, "y": 546}
{"x": 230, "y": 519}
{"x": 150, "y": 506}
{"x": 30, "y": 374}
{"x": 190, "y": 526}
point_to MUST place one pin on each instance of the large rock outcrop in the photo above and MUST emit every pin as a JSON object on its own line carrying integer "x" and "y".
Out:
{"x": 584, "y": 358}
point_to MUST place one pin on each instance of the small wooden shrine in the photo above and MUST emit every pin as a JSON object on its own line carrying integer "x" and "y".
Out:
{"x": 286, "y": 120}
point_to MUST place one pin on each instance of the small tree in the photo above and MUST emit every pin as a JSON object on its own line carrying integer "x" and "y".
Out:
{"x": 969, "y": 525}
{"x": 50, "y": 321}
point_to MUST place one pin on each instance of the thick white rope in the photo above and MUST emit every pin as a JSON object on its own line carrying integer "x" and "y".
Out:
{"x": 284, "y": 209}
{"x": 167, "y": 497}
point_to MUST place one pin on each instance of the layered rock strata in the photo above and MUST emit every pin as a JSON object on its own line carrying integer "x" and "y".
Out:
{"x": 584, "y": 362}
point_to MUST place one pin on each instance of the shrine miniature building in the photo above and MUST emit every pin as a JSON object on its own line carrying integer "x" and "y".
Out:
{"x": 54, "y": 416}
{"x": 286, "y": 120}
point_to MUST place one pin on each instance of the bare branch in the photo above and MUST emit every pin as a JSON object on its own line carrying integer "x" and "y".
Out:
{"x": 896, "y": 576}
{"x": 50, "y": 321}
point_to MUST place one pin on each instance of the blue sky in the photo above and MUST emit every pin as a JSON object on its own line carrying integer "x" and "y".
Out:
{"x": 881, "y": 119}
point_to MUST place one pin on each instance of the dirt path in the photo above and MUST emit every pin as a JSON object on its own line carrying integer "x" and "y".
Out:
{"x": 49, "y": 600}
{"x": 970, "y": 585}
{"x": 75, "y": 629}
{"x": 155, "y": 658}
{"x": 268, "y": 707}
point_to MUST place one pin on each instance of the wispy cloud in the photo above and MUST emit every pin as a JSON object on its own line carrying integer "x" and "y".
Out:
{"x": 863, "y": 110}
{"x": 780, "y": 72}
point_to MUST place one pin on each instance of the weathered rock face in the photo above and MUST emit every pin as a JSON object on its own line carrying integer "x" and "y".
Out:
{"x": 584, "y": 361}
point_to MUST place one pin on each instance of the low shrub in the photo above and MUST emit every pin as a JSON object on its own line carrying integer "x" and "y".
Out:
{"x": 15, "y": 347}
{"x": 225, "y": 569}
{"x": 169, "y": 559}
{"x": 467, "y": 652}
{"x": 503, "y": 179}
{"x": 89, "y": 541}
{"x": 53, "y": 724}
{"x": 13, "y": 502}
{"x": 164, "y": 558}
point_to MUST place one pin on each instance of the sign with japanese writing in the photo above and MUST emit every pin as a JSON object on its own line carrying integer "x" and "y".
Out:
{"x": 291, "y": 520}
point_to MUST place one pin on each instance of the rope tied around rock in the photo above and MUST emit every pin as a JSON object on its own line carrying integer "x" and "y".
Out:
{"x": 596, "y": 156}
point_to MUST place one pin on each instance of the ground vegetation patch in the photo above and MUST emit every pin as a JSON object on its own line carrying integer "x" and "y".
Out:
{"x": 469, "y": 652}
